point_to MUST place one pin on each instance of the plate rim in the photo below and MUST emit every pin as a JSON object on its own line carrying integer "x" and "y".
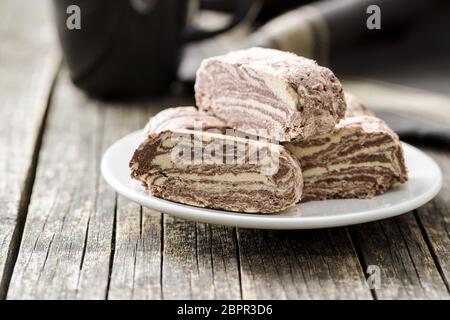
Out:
{"x": 263, "y": 221}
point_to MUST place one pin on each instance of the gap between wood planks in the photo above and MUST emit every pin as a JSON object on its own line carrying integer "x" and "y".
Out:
{"x": 362, "y": 261}
{"x": 435, "y": 213}
{"x": 238, "y": 256}
{"x": 113, "y": 246}
{"x": 431, "y": 249}
{"x": 162, "y": 257}
{"x": 25, "y": 197}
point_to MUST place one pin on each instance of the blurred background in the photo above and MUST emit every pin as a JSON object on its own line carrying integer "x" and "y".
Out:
{"x": 400, "y": 68}
{"x": 392, "y": 54}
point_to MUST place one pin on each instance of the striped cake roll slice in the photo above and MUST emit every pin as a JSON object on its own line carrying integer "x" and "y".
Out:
{"x": 217, "y": 171}
{"x": 280, "y": 94}
{"x": 361, "y": 158}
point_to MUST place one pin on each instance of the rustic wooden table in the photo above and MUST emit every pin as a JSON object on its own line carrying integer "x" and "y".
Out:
{"x": 64, "y": 233}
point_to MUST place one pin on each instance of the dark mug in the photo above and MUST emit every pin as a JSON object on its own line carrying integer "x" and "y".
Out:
{"x": 128, "y": 48}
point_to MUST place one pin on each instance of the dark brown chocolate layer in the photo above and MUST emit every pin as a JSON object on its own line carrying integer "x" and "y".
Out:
{"x": 217, "y": 171}
{"x": 361, "y": 158}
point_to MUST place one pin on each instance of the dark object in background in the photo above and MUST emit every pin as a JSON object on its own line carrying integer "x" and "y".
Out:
{"x": 322, "y": 29}
{"x": 129, "y": 48}
{"x": 269, "y": 10}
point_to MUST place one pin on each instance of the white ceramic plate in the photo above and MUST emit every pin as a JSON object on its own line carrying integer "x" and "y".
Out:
{"x": 425, "y": 181}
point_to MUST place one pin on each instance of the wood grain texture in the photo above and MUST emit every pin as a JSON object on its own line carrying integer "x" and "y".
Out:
{"x": 200, "y": 261}
{"x": 136, "y": 261}
{"x": 28, "y": 65}
{"x": 434, "y": 217}
{"x": 310, "y": 264}
{"x": 64, "y": 199}
{"x": 67, "y": 244}
{"x": 412, "y": 250}
{"x": 398, "y": 248}
{"x": 136, "y": 270}
{"x": 116, "y": 121}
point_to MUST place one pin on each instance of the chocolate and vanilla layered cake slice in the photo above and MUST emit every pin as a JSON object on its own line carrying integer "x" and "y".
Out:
{"x": 361, "y": 158}
{"x": 217, "y": 171}
{"x": 280, "y": 94}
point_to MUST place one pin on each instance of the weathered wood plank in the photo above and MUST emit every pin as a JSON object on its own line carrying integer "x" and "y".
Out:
{"x": 434, "y": 217}
{"x": 136, "y": 264}
{"x": 68, "y": 238}
{"x": 63, "y": 199}
{"x": 29, "y": 62}
{"x": 200, "y": 261}
{"x": 312, "y": 264}
{"x": 117, "y": 121}
{"x": 397, "y": 247}
{"x": 136, "y": 272}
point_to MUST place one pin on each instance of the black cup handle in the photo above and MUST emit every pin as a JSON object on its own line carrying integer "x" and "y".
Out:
{"x": 192, "y": 33}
